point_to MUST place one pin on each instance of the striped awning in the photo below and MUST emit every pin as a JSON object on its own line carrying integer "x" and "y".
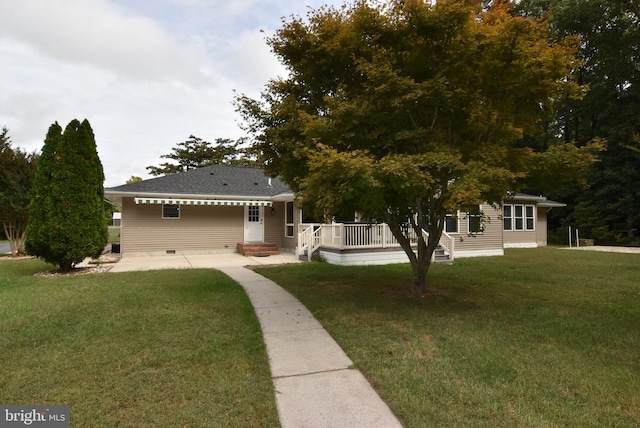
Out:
{"x": 202, "y": 202}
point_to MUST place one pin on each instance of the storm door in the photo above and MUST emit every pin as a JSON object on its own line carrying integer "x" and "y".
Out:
{"x": 253, "y": 224}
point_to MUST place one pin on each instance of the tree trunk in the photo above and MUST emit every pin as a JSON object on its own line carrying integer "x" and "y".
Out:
{"x": 15, "y": 231}
{"x": 420, "y": 263}
{"x": 419, "y": 276}
{"x": 66, "y": 266}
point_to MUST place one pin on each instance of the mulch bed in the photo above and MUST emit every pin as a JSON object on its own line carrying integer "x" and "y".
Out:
{"x": 89, "y": 266}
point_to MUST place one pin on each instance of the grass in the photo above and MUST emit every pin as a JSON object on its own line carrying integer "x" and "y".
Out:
{"x": 537, "y": 338}
{"x": 114, "y": 235}
{"x": 140, "y": 349}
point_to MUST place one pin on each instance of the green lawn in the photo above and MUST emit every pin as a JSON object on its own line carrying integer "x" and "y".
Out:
{"x": 114, "y": 235}
{"x": 537, "y": 338}
{"x": 144, "y": 349}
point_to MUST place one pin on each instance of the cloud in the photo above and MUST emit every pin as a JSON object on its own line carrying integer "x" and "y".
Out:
{"x": 99, "y": 33}
{"x": 250, "y": 59}
{"x": 145, "y": 74}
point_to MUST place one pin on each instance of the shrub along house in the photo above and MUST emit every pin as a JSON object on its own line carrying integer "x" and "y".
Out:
{"x": 219, "y": 209}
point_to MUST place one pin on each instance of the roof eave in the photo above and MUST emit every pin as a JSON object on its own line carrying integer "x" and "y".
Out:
{"x": 525, "y": 197}
{"x": 551, "y": 204}
{"x": 119, "y": 194}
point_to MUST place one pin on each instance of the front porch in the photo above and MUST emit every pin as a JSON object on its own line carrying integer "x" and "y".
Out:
{"x": 362, "y": 244}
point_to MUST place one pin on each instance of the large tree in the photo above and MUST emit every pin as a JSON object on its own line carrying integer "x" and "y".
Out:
{"x": 196, "y": 152}
{"x": 67, "y": 215}
{"x": 406, "y": 111}
{"x": 17, "y": 171}
{"x": 609, "y": 30}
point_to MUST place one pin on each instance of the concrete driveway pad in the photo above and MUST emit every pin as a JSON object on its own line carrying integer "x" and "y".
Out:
{"x": 203, "y": 261}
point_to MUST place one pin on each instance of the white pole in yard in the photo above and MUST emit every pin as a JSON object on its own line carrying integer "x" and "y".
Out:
{"x": 577, "y": 238}
{"x": 569, "y": 236}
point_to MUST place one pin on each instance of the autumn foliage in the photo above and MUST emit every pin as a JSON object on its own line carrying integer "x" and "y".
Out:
{"x": 407, "y": 111}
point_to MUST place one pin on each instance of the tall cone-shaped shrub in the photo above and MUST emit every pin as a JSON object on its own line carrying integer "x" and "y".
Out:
{"x": 67, "y": 221}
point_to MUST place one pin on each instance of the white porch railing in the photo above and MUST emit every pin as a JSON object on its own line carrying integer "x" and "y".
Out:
{"x": 448, "y": 243}
{"x": 357, "y": 235}
{"x": 309, "y": 239}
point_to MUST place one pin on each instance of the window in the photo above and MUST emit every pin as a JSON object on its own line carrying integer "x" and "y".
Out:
{"x": 518, "y": 217}
{"x": 507, "y": 216}
{"x": 289, "y": 225}
{"x": 474, "y": 222}
{"x": 253, "y": 214}
{"x": 452, "y": 224}
{"x": 170, "y": 211}
{"x": 530, "y": 220}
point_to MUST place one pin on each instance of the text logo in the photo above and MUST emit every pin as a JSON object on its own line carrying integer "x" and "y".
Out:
{"x": 34, "y": 416}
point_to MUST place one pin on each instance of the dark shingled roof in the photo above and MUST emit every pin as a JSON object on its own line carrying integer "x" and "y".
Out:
{"x": 214, "y": 180}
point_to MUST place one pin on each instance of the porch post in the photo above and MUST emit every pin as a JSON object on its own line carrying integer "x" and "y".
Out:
{"x": 384, "y": 235}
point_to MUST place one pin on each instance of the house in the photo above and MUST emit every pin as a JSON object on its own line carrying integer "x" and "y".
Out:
{"x": 205, "y": 210}
{"x": 220, "y": 208}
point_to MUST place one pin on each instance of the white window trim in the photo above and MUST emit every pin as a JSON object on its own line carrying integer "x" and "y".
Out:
{"x": 293, "y": 218}
{"x": 524, "y": 218}
{"x": 457, "y": 218}
{"x": 533, "y": 218}
{"x": 169, "y": 218}
{"x": 507, "y": 217}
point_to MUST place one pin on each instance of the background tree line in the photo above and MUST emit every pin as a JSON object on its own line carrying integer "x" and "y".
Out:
{"x": 608, "y": 207}
{"x": 196, "y": 152}
{"x": 17, "y": 171}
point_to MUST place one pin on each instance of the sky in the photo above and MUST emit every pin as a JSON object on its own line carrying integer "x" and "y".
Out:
{"x": 147, "y": 74}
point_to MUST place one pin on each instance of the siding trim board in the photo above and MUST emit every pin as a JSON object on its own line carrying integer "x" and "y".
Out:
{"x": 202, "y": 202}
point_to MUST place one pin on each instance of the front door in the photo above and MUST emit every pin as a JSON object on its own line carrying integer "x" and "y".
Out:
{"x": 253, "y": 224}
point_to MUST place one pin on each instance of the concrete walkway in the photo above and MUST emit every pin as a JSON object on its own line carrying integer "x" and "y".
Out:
{"x": 608, "y": 249}
{"x": 314, "y": 381}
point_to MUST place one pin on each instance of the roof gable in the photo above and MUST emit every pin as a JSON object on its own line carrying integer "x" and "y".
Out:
{"x": 214, "y": 180}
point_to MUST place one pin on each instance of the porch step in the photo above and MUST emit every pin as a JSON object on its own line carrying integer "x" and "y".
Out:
{"x": 440, "y": 256}
{"x": 258, "y": 249}
{"x": 304, "y": 257}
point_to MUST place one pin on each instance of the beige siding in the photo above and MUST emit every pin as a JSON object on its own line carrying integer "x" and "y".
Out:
{"x": 541, "y": 226}
{"x": 199, "y": 229}
{"x": 519, "y": 237}
{"x": 274, "y": 224}
{"x": 490, "y": 241}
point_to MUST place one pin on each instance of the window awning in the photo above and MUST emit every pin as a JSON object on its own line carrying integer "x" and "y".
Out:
{"x": 202, "y": 202}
